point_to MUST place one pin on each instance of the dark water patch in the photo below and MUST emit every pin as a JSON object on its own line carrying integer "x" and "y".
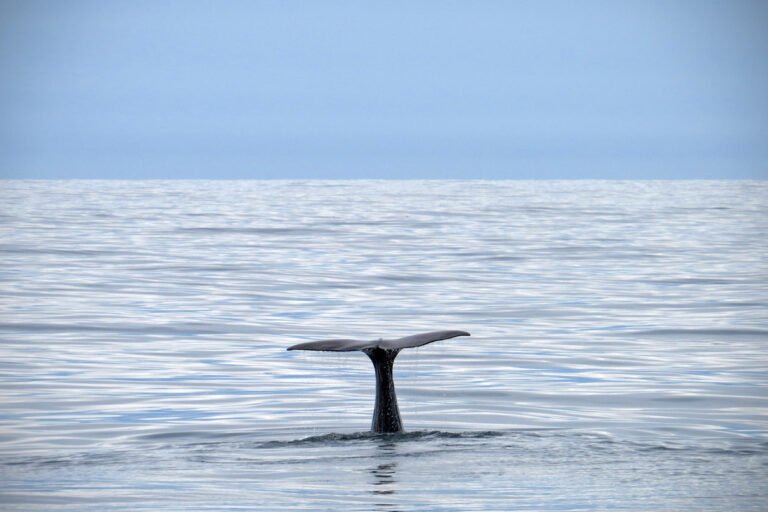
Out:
{"x": 592, "y": 252}
{"x": 525, "y": 313}
{"x": 701, "y": 448}
{"x": 398, "y": 437}
{"x": 408, "y": 224}
{"x": 738, "y": 451}
{"x": 697, "y": 280}
{"x": 457, "y": 253}
{"x": 336, "y": 222}
{"x": 451, "y": 213}
{"x": 681, "y": 398}
{"x": 251, "y": 441}
{"x": 187, "y": 329}
{"x": 191, "y": 435}
{"x": 660, "y": 448}
{"x": 61, "y": 252}
{"x": 698, "y": 208}
{"x": 104, "y": 458}
{"x": 293, "y": 231}
{"x": 506, "y": 258}
{"x": 192, "y": 268}
{"x": 688, "y": 333}
{"x": 698, "y": 305}
{"x": 420, "y": 278}
{"x": 203, "y": 214}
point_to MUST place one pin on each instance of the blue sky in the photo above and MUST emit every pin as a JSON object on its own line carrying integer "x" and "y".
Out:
{"x": 412, "y": 89}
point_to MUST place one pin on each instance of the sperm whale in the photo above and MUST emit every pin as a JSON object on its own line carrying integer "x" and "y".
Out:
{"x": 386, "y": 415}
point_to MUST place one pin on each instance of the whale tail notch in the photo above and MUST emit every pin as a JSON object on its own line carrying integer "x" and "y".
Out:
{"x": 382, "y": 353}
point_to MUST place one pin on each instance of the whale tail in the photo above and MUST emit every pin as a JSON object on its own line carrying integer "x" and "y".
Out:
{"x": 382, "y": 353}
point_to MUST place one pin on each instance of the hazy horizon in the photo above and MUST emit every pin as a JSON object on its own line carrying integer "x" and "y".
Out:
{"x": 403, "y": 90}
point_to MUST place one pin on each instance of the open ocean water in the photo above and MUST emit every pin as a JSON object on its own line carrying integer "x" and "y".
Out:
{"x": 618, "y": 358}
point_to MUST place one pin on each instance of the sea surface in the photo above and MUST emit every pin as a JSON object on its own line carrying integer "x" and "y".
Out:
{"x": 618, "y": 357}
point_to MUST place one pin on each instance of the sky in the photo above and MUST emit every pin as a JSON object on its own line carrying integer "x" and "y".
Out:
{"x": 354, "y": 89}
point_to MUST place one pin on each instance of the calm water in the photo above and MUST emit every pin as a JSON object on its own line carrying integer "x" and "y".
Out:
{"x": 617, "y": 358}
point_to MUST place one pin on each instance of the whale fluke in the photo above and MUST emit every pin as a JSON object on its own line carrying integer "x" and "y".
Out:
{"x": 334, "y": 345}
{"x": 416, "y": 340}
{"x": 386, "y": 415}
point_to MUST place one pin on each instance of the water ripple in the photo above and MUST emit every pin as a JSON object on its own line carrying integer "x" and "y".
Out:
{"x": 617, "y": 357}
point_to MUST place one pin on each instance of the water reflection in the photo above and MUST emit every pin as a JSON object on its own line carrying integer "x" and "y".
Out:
{"x": 384, "y": 482}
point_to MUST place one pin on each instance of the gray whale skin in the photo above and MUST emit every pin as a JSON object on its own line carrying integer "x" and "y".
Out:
{"x": 386, "y": 415}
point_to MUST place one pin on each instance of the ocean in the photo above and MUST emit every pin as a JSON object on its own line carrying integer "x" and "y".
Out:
{"x": 618, "y": 357}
